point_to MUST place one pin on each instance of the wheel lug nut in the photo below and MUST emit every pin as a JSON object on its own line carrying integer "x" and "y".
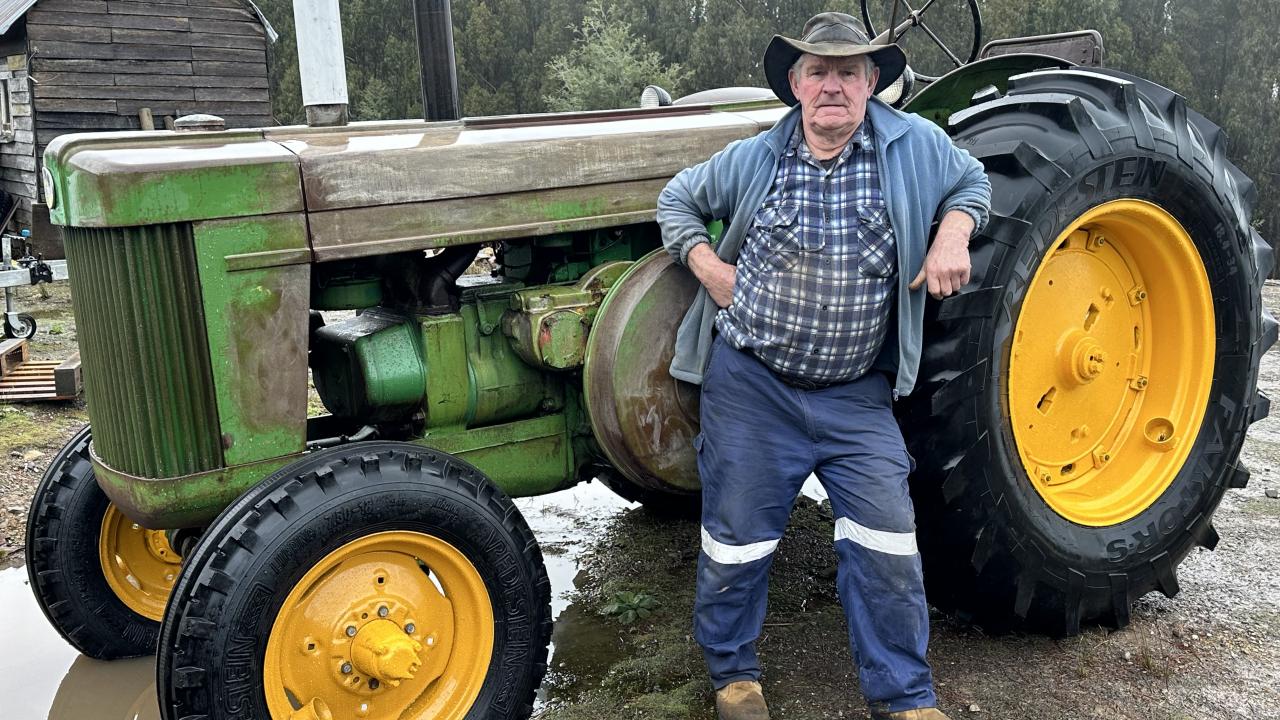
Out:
{"x": 351, "y": 631}
{"x": 409, "y": 628}
{"x": 346, "y": 668}
{"x": 382, "y": 611}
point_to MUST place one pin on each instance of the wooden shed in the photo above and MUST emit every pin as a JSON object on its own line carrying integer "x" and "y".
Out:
{"x": 86, "y": 65}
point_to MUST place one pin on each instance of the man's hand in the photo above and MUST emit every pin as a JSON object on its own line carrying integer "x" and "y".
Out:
{"x": 716, "y": 275}
{"x": 946, "y": 266}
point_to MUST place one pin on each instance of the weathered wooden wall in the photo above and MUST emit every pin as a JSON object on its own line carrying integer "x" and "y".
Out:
{"x": 109, "y": 58}
{"x": 96, "y": 63}
{"x": 93, "y": 64}
{"x": 17, "y": 147}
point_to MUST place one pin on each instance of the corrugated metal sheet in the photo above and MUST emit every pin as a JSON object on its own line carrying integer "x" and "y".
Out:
{"x": 272, "y": 35}
{"x": 11, "y": 10}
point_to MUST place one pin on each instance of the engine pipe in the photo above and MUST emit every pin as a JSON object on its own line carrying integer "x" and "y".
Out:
{"x": 321, "y": 64}
{"x": 433, "y": 20}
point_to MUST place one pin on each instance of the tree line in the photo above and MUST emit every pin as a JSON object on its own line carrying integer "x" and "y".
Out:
{"x": 522, "y": 56}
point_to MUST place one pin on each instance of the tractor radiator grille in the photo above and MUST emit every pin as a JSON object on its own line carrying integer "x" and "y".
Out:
{"x": 143, "y": 349}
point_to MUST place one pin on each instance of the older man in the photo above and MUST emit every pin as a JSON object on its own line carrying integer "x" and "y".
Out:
{"x": 815, "y": 297}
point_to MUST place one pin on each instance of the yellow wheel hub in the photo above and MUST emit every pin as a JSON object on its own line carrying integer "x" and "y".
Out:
{"x": 392, "y": 625}
{"x": 1111, "y": 362}
{"x": 139, "y": 565}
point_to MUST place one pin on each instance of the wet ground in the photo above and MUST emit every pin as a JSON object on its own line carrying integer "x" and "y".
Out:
{"x": 1211, "y": 652}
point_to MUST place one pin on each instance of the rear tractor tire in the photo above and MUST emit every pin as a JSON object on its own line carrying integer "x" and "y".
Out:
{"x": 372, "y": 580}
{"x": 1082, "y": 403}
{"x": 101, "y": 579}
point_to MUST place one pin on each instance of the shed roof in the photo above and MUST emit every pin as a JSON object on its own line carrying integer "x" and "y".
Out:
{"x": 11, "y": 10}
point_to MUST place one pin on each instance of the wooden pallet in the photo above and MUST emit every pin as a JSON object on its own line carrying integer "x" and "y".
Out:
{"x": 26, "y": 380}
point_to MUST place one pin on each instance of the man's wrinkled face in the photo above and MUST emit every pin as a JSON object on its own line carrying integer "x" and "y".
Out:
{"x": 833, "y": 91}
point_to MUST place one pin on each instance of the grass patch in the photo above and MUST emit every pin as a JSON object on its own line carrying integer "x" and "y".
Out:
{"x": 651, "y": 667}
{"x": 22, "y": 429}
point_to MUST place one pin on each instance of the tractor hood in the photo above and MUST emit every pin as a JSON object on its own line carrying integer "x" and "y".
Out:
{"x": 374, "y": 188}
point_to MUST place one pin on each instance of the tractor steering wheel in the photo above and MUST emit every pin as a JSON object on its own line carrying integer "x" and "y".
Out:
{"x": 903, "y": 17}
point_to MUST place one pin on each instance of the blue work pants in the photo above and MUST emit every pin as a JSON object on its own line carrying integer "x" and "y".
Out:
{"x": 760, "y": 440}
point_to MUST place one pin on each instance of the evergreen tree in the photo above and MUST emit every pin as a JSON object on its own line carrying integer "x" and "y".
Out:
{"x": 608, "y": 67}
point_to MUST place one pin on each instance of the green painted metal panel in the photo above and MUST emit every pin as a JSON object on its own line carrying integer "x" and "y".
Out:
{"x": 953, "y": 91}
{"x": 503, "y": 387}
{"x": 181, "y": 502}
{"x": 449, "y": 394}
{"x": 525, "y": 457}
{"x": 354, "y": 293}
{"x": 143, "y": 349}
{"x": 257, "y": 323}
{"x": 393, "y": 371}
{"x": 123, "y": 179}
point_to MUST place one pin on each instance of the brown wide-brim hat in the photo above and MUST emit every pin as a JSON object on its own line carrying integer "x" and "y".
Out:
{"x": 829, "y": 34}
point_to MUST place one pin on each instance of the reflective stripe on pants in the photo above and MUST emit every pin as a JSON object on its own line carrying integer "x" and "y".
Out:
{"x": 760, "y": 440}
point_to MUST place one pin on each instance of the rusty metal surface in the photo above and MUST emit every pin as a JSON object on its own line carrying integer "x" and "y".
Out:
{"x": 387, "y": 187}
{"x": 256, "y": 321}
{"x": 143, "y": 178}
{"x": 180, "y": 502}
{"x": 377, "y": 230}
{"x": 644, "y": 419}
{"x": 451, "y": 161}
{"x": 548, "y": 325}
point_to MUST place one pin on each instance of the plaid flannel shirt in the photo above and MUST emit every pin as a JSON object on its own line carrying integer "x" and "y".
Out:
{"x": 817, "y": 274}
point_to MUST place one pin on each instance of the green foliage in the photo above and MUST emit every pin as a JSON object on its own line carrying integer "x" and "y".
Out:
{"x": 629, "y": 607}
{"x": 1220, "y": 54}
{"x": 381, "y": 50}
{"x": 608, "y": 67}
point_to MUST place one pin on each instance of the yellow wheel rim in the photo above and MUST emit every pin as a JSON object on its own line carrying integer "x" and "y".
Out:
{"x": 392, "y": 625}
{"x": 139, "y": 565}
{"x": 1111, "y": 362}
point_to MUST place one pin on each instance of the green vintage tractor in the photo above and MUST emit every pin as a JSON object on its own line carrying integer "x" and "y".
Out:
{"x": 1080, "y": 411}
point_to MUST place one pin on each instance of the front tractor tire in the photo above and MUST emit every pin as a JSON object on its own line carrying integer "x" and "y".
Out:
{"x": 1082, "y": 403}
{"x": 101, "y": 580}
{"x": 378, "y": 580}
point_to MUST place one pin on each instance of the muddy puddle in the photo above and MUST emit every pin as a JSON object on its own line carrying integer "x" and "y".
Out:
{"x": 49, "y": 679}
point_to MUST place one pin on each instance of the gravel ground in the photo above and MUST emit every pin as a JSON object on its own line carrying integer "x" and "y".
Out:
{"x": 1211, "y": 652}
{"x": 31, "y": 433}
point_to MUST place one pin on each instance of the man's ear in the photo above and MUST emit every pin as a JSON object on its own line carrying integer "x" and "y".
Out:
{"x": 795, "y": 83}
{"x": 875, "y": 78}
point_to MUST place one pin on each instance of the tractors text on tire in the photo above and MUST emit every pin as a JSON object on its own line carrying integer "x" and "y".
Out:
{"x": 373, "y": 580}
{"x": 1082, "y": 402}
{"x": 101, "y": 579}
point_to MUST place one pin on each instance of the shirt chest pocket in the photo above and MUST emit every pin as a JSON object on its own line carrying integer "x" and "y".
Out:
{"x": 877, "y": 248}
{"x": 782, "y": 237}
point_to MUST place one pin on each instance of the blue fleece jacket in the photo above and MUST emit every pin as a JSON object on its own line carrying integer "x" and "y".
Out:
{"x": 923, "y": 176}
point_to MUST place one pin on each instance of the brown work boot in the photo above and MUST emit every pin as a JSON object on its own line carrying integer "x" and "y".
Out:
{"x": 741, "y": 700}
{"x": 932, "y": 713}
